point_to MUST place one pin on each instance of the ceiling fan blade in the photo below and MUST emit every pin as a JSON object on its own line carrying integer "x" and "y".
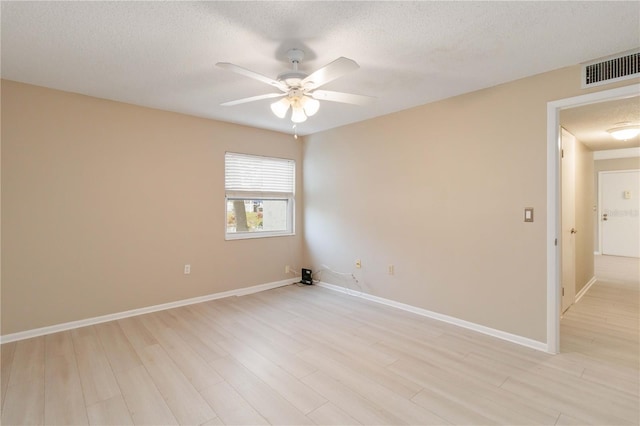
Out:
{"x": 347, "y": 98}
{"x": 251, "y": 74}
{"x": 330, "y": 72}
{"x": 253, "y": 98}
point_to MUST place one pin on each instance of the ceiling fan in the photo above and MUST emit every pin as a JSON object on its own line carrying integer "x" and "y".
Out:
{"x": 300, "y": 90}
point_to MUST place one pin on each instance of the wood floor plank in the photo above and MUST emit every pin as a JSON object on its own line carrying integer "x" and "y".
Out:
{"x": 183, "y": 399}
{"x": 273, "y": 407}
{"x": 363, "y": 366}
{"x": 484, "y": 399}
{"x": 352, "y": 403}
{"x": 112, "y": 411}
{"x": 615, "y": 268}
{"x": 570, "y": 404}
{"x": 274, "y": 345}
{"x": 98, "y": 381}
{"x": 24, "y": 400}
{"x": 203, "y": 319}
{"x": 453, "y": 411}
{"x": 24, "y": 403}
{"x": 329, "y": 414}
{"x": 200, "y": 339}
{"x": 213, "y": 422}
{"x": 274, "y": 352}
{"x": 6, "y": 360}
{"x": 597, "y": 403}
{"x": 629, "y": 384}
{"x": 319, "y": 335}
{"x": 28, "y": 363}
{"x": 117, "y": 347}
{"x": 402, "y": 408}
{"x": 64, "y": 400}
{"x": 143, "y": 399}
{"x": 601, "y": 393}
{"x": 564, "y": 420}
{"x": 443, "y": 358}
{"x": 254, "y": 327}
{"x": 192, "y": 365}
{"x": 297, "y": 393}
{"x": 232, "y": 409}
{"x": 137, "y": 334}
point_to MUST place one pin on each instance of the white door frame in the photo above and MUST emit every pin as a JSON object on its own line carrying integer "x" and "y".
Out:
{"x": 554, "y": 287}
{"x": 567, "y": 219}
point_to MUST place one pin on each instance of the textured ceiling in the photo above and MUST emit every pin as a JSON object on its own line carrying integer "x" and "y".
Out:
{"x": 589, "y": 123}
{"x": 163, "y": 54}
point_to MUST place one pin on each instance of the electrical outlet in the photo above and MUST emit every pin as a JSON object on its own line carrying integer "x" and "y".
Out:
{"x": 390, "y": 269}
{"x": 287, "y": 269}
{"x": 358, "y": 264}
{"x": 187, "y": 269}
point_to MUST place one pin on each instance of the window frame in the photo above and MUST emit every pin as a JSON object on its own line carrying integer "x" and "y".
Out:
{"x": 289, "y": 197}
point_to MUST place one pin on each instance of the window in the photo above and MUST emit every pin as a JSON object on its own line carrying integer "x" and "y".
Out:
{"x": 259, "y": 196}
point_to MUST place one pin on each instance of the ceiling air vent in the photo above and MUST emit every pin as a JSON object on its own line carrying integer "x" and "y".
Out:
{"x": 611, "y": 69}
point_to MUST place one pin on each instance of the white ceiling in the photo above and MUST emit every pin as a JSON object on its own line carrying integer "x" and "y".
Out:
{"x": 163, "y": 54}
{"x": 589, "y": 123}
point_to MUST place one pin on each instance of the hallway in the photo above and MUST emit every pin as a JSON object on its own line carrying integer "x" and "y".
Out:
{"x": 604, "y": 325}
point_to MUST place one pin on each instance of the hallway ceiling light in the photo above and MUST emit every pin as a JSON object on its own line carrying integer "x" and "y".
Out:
{"x": 624, "y": 131}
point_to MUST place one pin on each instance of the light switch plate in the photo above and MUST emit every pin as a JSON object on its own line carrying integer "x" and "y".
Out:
{"x": 528, "y": 214}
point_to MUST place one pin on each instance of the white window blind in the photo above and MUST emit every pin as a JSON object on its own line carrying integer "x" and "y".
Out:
{"x": 251, "y": 173}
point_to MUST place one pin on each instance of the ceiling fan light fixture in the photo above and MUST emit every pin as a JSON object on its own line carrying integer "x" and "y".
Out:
{"x": 310, "y": 105}
{"x": 624, "y": 131}
{"x": 298, "y": 115}
{"x": 280, "y": 107}
{"x": 300, "y": 89}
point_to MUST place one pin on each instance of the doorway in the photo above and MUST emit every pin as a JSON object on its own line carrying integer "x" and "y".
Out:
{"x": 554, "y": 228}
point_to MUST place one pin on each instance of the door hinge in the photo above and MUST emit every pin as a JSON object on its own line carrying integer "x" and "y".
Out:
{"x": 563, "y": 291}
{"x": 562, "y": 153}
{"x": 556, "y": 242}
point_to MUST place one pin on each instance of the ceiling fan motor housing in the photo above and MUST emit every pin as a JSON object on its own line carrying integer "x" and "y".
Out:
{"x": 295, "y": 55}
{"x": 292, "y": 78}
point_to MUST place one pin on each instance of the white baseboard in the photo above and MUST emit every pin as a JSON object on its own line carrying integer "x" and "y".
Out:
{"x": 134, "y": 312}
{"x": 586, "y": 288}
{"x": 523, "y": 341}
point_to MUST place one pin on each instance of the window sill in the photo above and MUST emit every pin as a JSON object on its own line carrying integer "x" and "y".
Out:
{"x": 252, "y": 235}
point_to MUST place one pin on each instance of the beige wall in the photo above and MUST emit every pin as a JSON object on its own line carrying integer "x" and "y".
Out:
{"x": 103, "y": 203}
{"x": 585, "y": 215}
{"x": 616, "y": 164}
{"x": 439, "y": 192}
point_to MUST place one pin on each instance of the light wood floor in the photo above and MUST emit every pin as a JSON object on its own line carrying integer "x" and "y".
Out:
{"x": 617, "y": 268}
{"x": 307, "y": 355}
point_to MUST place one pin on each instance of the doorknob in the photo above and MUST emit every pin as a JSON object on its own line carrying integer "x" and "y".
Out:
{"x": 604, "y": 216}
{"x": 574, "y": 231}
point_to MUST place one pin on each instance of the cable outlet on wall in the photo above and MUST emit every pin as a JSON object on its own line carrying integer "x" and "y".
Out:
{"x": 187, "y": 269}
{"x": 358, "y": 264}
{"x": 287, "y": 269}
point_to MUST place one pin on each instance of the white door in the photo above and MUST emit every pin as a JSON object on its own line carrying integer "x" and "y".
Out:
{"x": 619, "y": 203}
{"x": 567, "y": 239}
